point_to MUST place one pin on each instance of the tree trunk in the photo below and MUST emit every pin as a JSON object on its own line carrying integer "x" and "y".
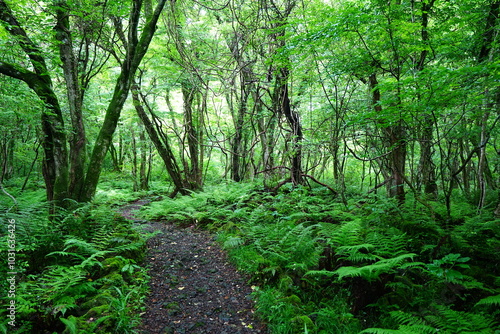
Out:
{"x": 136, "y": 49}
{"x": 143, "y": 175}
{"x": 481, "y": 182}
{"x": 77, "y": 140}
{"x": 161, "y": 143}
{"x": 427, "y": 174}
{"x": 134, "y": 160}
{"x": 237, "y": 152}
{"x": 55, "y": 163}
{"x": 488, "y": 43}
{"x": 293, "y": 120}
{"x": 396, "y": 144}
{"x": 117, "y": 155}
{"x": 191, "y": 129}
{"x": 7, "y": 147}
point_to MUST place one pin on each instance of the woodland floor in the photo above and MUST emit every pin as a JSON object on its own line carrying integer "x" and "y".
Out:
{"x": 193, "y": 287}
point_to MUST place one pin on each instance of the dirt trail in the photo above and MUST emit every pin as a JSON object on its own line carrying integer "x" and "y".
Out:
{"x": 193, "y": 287}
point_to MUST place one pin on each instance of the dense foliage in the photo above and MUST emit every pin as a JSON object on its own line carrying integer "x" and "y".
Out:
{"x": 78, "y": 275}
{"x": 323, "y": 266}
{"x": 346, "y": 151}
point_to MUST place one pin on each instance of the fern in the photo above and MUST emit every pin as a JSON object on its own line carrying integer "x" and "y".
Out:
{"x": 320, "y": 273}
{"x": 491, "y": 300}
{"x": 373, "y": 271}
{"x": 357, "y": 253}
{"x": 445, "y": 318}
{"x": 441, "y": 320}
{"x": 83, "y": 247}
{"x": 101, "y": 238}
{"x": 71, "y": 324}
{"x": 388, "y": 244}
{"x": 61, "y": 287}
{"x": 233, "y": 242}
{"x": 404, "y": 318}
{"x": 290, "y": 247}
{"x": 90, "y": 253}
{"x": 403, "y": 329}
{"x": 347, "y": 234}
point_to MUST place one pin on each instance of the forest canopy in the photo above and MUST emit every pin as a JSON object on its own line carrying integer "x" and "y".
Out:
{"x": 396, "y": 95}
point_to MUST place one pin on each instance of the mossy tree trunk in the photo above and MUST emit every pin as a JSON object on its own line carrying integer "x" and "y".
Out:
{"x": 64, "y": 179}
{"x": 136, "y": 49}
{"x": 55, "y": 163}
{"x": 75, "y": 93}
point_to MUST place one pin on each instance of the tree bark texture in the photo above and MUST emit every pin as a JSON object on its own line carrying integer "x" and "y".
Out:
{"x": 192, "y": 168}
{"x": 293, "y": 121}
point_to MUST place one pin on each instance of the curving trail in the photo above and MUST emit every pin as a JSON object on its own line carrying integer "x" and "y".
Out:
{"x": 193, "y": 287}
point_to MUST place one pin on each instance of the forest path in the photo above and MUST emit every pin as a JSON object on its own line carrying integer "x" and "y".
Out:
{"x": 193, "y": 288}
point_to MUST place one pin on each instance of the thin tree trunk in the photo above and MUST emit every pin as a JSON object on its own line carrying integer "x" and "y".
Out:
{"x": 161, "y": 143}
{"x": 191, "y": 128}
{"x": 293, "y": 120}
{"x": 427, "y": 174}
{"x": 134, "y": 160}
{"x": 143, "y": 177}
{"x": 31, "y": 167}
{"x": 396, "y": 143}
{"x": 481, "y": 182}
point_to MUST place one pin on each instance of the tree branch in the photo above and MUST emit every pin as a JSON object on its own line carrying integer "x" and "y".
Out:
{"x": 17, "y": 72}
{"x": 15, "y": 30}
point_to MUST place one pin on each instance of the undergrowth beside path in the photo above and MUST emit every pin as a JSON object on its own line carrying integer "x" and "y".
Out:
{"x": 368, "y": 265}
{"x": 77, "y": 273}
{"x": 316, "y": 265}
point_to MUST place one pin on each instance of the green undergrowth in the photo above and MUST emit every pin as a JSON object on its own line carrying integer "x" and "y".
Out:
{"x": 116, "y": 189}
{"x": 80, "y": 273}
{"x": 366, "y": 266}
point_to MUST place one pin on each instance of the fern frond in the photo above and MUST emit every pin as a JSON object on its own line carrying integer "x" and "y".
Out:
{"x": 71, "y": 324}
{"x": 404, "y": 318}
{"x": 347, "y": 234}
{"x": 444, "y": 318}
{"x": 388, "y": 245}
{"x": 384, "y": 331}
{"x": 373, "y": 271}
{"x": 420, "y": 329}
{"x": 491, "y": 300}
{"x": 233, "y": 242}
{"x": 67, "y": 254}
{"x": 129, "y": 247}
{"x": 82, "y": 246}
{"x": 403, "y": 329}
{"x": 326, "y": 273}
{"x": 357, "y": 253}
{"x": 101, "y": 237}
{"x": 92, "y": 260}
